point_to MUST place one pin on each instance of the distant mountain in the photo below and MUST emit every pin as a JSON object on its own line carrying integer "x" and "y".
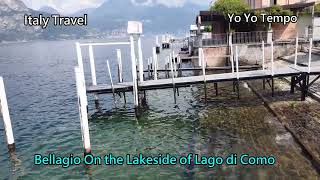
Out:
{"x": 110, "y": 17}
{"x": 114, "y": 14}
{"x": 48, "y": 9}
{"x": 12, "y": 26}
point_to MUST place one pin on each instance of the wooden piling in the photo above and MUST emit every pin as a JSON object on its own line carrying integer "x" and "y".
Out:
{"x": 82, "y": 103}
{"x": 6, "y": 117}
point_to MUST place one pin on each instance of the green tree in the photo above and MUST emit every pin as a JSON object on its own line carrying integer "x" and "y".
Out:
{"x": 226, "y": 7}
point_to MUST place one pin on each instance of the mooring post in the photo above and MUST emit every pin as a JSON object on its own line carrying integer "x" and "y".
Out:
{"x": 231, "y": 52}
{"x": 199, "y": 58}
{"x": 296, "y": 52}
{"x": 134, "y": 28}
{"x": 237, "y": 62}
{"x": 237, "y": 69}
{"x": 151, "y": 66}
{"x": 140, "y": 59}
{"x": 82, "y": 103}
{"x": 119, "y": 58}
{"x": 92, "y": 66}
{"x": 148, "y": 68}
{"x": 201, "y": 55}
{"x": 174, "y": 64}
{"x": 172, "y": 76}
{"x": 134, "y": 73}
{"x": 304, "y": 87}
{"x": 93, "y": 70}
{"x": 6, "y": 117}
{"x": 272, "y": 59}
{"x": 310, "y": 56}
{"x": 110, "y": 76}
{"x": 292, "y": 84}
{"x": 157, "y": 41}
{"x": 263, "y": 57}
{"x": 155, "y": 63}
{"x": 79, "y": 57}
{"x": 179, "y": 67}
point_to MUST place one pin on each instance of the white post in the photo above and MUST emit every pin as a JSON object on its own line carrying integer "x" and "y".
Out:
{"x": 174, "y": 64}
{"x": 203, "y": 65}
{"x": 110, "y": 75}
{"x": 263, "y": 57}
{"x": 296, "y": 52}
{"x": 82, "y": 103}
{"x": 231, "y": 53}
{"x": 140, "y": 59}
{"x": 310, "y": 56}
{"x": 155, "y": 63}
{"x": 79, "y": 55}
{"x": 134, "y": 72}
{"x": 119, "y": 58}
{"x": 199, "y": 58}
{"x": 92, "y": 65}
{"x": 157, "y": 41}
{"x": 6, "y": 117}
{"x": 237, "y": 62}
{"x": 171, "y": 66}
{"x": 272, "y": 59}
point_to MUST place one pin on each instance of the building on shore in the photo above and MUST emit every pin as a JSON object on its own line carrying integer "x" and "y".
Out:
{"x": 245, "y": 33}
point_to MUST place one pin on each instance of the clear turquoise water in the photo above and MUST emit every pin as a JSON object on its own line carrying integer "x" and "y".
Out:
{"x": 39, "y": 78}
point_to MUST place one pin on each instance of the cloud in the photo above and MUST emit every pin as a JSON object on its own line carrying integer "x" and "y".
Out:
{"x": 71, "y": 6}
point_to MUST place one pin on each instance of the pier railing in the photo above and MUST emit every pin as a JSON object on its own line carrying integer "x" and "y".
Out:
{"x": 237, "y": 38}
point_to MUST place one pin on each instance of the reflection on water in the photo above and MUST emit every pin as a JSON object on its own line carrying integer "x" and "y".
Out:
{"x": 41, "y": 93}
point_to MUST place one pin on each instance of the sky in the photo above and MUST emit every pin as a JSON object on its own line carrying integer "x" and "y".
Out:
{"x": 71, "y": 6}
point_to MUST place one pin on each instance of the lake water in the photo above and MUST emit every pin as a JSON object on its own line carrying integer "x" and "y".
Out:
{"x": 40, "y": 85}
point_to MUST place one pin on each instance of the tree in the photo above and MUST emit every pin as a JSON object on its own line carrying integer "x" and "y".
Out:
{"x": 226, "y": 7}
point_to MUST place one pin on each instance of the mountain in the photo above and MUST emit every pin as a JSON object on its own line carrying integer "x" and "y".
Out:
{"x": 48, "y": 9}
{"x": 110, "y": 17}
{"x": 12, "y": 26}
{"x": 114, "y": 14}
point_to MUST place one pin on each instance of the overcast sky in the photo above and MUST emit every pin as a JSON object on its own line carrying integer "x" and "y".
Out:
{"x": 71, "y": 6}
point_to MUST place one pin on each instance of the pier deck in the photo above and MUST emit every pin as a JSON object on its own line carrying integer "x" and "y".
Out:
{"x": 213, "y": 78}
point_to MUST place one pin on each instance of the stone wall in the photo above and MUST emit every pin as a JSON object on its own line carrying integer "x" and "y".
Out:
{"x": 248, "y": 54}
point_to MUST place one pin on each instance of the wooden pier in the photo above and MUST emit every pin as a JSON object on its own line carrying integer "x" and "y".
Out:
{"x": 192, "y": 80}
{"x": 300, "y": 76}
